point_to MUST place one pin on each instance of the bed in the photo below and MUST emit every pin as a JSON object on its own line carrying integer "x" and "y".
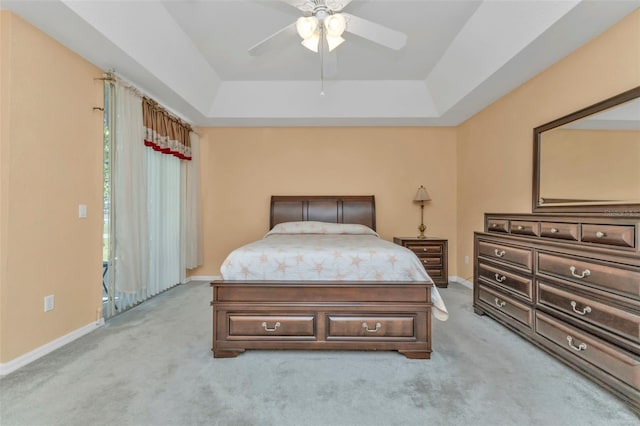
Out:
{"x": 362, "y": 293}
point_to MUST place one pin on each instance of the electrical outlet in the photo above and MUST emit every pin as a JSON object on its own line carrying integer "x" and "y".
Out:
{"x": 466, "y": 260}
{"x": 48, "y": 303}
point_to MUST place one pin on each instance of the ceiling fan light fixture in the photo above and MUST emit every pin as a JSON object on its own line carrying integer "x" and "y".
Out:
{"x": 335, "y": 25}
{"x": 307, "y": 26}
{"x": 333, "y": 42}
{"x": 312, "y": 42}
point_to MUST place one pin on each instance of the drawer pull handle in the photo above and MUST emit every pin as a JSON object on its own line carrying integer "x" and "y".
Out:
{"x": 601, "y": 234}
{"x": 499, "y": 253}
{"x": 584, "y": 311}
{"x": 580, "y": 347}
{"x": 494, "y": 225}
{"x": 275, "y": 327}
{"x": 424, "y": 249}
{"x": 554, "y": 230}
{"x": 366, "y": 327}
{"x": 520, "y": 227}
{"x": 584, "y": 274}
{"x": 500, "y": 278}
{"x": 500, "y": 303}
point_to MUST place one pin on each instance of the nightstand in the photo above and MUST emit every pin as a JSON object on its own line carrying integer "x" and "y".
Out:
{"x": 433, "y": 253}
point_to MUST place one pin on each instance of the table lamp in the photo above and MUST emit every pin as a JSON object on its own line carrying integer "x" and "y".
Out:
{"x": 421, "y": 196}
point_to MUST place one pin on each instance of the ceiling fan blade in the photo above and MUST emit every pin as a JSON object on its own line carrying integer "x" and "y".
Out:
{"x": 375, "y": 32}
{"x": 278, "y": 38}
{"x": 337, "y": 5}
{"x": 303, "y": 5}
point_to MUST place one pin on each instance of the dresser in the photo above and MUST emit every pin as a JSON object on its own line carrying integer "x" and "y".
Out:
{"x": 433, "y": 253}
{"x": 571, "y": 286}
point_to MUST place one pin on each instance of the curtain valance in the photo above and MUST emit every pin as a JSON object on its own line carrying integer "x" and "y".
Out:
{"x": 163, "y": 132}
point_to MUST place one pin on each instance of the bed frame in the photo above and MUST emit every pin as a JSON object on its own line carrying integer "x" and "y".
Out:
{"x": 322, "y": 315}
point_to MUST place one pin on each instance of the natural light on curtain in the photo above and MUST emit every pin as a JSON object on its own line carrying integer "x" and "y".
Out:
{"x": 163, "y": 203}
{"x": 156, "y": 209}
{"x": 131, "y": 243}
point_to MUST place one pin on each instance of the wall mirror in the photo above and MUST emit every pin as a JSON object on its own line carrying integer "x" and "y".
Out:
{"x": 589, "y": 161}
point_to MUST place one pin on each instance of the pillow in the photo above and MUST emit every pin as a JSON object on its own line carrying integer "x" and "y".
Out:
{"x": 311, "y": 227}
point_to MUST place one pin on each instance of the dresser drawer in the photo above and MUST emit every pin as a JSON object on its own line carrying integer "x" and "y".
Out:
{"x": 514, "y": 282}
{"x": 605, "y": 315}
{"x": 560, "y": 231}
{"x": 580, "y": 270}
{"x": 371, "y": 326}
{"x": 505, "y": 304}
{"x": 621, "y": 364}
{"x": 497, "y": 225}
{"x": 519, "y": 256}
{"x": 525, "y": 228}
{"x": 616, "y": 235}
{"x": 271, "y": 325}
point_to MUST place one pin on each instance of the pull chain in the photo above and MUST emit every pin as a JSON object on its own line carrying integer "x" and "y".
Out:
{"x": 321, "y": 62}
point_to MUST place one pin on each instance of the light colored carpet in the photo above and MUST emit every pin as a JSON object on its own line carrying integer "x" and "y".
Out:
{"x": 153, "y": 366}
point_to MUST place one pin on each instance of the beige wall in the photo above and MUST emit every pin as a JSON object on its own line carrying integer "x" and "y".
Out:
{"x": 50, "y": 162}
{"x": 495, "y": 147}
{"x": 243, "y": 167}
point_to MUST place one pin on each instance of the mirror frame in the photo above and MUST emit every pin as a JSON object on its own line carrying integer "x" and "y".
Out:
{"x": 608, "y": 209}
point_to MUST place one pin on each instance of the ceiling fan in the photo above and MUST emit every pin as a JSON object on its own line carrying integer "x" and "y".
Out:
{"x": 324, "y": 21}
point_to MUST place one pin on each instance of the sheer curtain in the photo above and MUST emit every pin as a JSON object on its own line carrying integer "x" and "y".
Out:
{"x": 164, "y": 213}
{"x": 193, "y": 251}
{"x": 148, "y": 202}
{"x": 130, "y": 196}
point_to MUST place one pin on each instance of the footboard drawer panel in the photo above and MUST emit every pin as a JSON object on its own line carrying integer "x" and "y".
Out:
{"x": 371, "y": 326}
{"x": 270, "y": 325}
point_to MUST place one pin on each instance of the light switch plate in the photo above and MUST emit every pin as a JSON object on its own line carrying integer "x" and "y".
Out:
{"x": 82, "y": 210}
{"x": 48, "y": 303}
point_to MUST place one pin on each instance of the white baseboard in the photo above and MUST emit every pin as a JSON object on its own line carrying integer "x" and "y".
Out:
{"x": 202, "y": 278}
{"x": 462, "y": 281}
{"x": 21, "y": 361}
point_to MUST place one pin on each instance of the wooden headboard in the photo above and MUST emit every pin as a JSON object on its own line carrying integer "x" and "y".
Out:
{"x": 359, "y": 209}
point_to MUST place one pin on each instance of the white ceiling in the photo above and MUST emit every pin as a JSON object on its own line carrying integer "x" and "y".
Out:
{"x": 192, "y": 56}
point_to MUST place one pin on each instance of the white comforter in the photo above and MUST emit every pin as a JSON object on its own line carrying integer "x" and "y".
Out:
{"x": 317, "y": 251}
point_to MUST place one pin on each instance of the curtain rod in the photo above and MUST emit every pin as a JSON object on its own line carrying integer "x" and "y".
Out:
{"x": 111, "y": 76}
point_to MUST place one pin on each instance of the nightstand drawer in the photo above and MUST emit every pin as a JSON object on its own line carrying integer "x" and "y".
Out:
{"x": 436, "y": 273}
{"x": 432, "y": 253}
{"x": 430, "y": 262}
{"x": 425, "y": 249}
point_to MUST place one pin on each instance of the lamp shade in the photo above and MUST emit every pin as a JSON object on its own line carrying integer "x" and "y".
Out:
{"x": 334, "y": 42}
{"x": 422, "y": 195}
{"x": 335, "y": 24}
{"x": 312, "y": 42}
{"x": 307, "y": 26}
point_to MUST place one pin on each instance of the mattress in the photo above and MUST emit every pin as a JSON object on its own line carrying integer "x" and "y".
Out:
{"x": 318, "y": 251}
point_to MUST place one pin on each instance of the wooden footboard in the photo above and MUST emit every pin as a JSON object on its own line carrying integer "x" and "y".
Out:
{"x": 320, "y": 315}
